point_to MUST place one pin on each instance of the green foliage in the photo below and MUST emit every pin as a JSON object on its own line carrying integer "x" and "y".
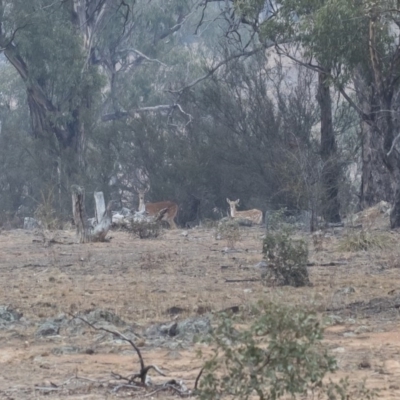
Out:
{"x": 286, "y": 259}
{"x": 279, "y": 354}
{"x": 228, "y": 229}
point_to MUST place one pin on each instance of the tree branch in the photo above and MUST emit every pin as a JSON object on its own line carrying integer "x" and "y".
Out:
{"x": 139, "y": 53}
{"x": 219, "y": 65}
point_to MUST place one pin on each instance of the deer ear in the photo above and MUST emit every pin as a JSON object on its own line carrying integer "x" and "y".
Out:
{"x": 237, "y": 202}
{"x": 228, "y": 201}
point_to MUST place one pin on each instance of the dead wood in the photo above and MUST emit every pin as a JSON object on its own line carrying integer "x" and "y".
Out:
{"x": 103, "y": 216}
{"x": 100, "y": 206}
{"x": 143, "y": 369}
{"x": 132, "y": 380}
{"x": 79, "y": 213}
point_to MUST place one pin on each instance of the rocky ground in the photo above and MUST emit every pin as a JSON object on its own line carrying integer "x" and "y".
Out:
{"x": 162, "y": 292}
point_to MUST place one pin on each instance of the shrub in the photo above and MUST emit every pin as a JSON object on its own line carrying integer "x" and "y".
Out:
{"x": 279, "y": 354}
{"x": 229, "y": 230}
{"x": 365, "y": 240}
{"x": 286, "y": 259}
{"x": 145, "y": 229}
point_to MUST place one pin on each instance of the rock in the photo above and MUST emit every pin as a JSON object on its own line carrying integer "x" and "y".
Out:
{"x": 185, "y": 329}
{"x": 9, "y": 315}
{"x": 48, "y": 329}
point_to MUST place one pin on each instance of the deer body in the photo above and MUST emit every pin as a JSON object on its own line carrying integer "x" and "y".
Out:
{"x": 253, "y": 215}
{"x": 154, "y": 208}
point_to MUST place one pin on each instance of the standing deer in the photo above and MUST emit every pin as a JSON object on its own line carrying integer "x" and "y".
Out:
{"x": 154, "y": 208}
{"x": 254, "y": 215}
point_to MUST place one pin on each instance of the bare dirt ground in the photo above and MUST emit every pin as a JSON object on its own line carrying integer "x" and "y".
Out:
{"x": 139, "y": 280}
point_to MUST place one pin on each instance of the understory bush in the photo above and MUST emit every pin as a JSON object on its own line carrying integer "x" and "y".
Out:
{"x": 279, "y": 354}
{"x": 286, "y": 259}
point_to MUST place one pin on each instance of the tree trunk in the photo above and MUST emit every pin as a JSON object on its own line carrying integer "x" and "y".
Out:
{"x": 331, "y": 169}
{"x": 100, "y": 206}
{"x": 78, "y": 210}
{"x": 101, "y": 229}
{"x": 375, "y": 178}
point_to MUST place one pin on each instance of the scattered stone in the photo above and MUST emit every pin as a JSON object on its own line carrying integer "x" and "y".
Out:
{"x": 184, "y": 233}
{"x": 8, "y": 316}
{"x": 175, "y": 310}
{"x": 345, "y": 290}
{"x": 183, "y": 330}
{"x": 48, "y": 329}
{"x": 364, "y": 364}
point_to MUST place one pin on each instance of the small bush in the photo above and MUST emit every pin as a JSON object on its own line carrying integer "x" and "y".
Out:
{"x": 145, "y": 229}
{"x": 45, "y": 212}
{"x": 275, "y": 220}
{"x": 228, "y": 229}
{"x": 279, "y": 355}
{"x": 365, "y": 240}
{"x": 286, "y": 260}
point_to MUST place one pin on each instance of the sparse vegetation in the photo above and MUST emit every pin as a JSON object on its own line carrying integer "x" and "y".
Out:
{"x": 228, "y": 229}
{"x": 364, "y": 240}
{"x": 286, "y": 259}
{"x": 145, "y": 229}
{"x": 278, "y": 353}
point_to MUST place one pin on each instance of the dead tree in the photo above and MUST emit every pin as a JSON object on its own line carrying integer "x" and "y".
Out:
{"x": 103, "y": 216}
{"x": 78, "y": 211}
{"x": 100, "y": 231}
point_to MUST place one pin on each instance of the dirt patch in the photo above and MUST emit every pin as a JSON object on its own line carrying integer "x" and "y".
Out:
{"x": 175, "y": 277}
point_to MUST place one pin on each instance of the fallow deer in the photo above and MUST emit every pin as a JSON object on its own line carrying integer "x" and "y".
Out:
{"x": 154, "y": 208}
{"x": 253, "y": 215}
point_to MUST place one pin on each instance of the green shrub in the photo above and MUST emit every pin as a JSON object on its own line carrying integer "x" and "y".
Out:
{"x": 279, "y": 354}
{"x": 228, "y": 229}
{"x": 286, "y": 259}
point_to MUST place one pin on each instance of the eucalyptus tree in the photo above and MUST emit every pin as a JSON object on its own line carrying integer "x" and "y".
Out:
{"x": 75, "y": 58}
{"x": 358, "y": 40}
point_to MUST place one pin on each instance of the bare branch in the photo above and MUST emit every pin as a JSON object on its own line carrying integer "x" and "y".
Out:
{"x": 139, "y": 53}
{"x": 219, "y": 65}
{"x": 116, "y": 333}
{"x": 131, "y": 113}
{"x": 395, "y": 140}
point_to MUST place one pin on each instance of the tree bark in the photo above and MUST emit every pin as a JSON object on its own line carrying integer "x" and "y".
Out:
{"x": 331, "y": 169}
{"x": 78, "y": 211}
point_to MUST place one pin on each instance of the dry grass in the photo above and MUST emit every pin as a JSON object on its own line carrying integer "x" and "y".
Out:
{"x": 364, "y": 240}
{"x": 140, "y": 280}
